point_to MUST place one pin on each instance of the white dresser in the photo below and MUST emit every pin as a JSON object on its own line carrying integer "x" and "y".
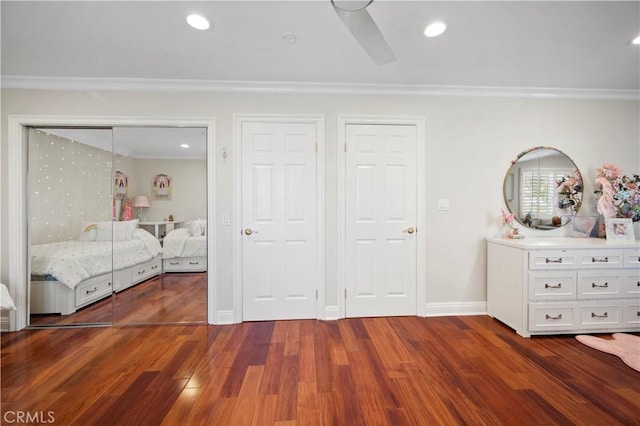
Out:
{"x": 563, "y": 285}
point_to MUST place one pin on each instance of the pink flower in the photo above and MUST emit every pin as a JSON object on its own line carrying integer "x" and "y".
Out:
{"x": 609, "y": 171}
{"x": 605, "y": 202}
{"x": 507, "y": 218}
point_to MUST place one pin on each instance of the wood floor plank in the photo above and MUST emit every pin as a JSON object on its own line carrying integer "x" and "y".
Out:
{"x": 287, "y": 406}
{"x": 367, "y": 371}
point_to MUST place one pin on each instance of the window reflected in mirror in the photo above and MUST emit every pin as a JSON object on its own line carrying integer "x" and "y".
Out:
{"x": 543, "y": 188}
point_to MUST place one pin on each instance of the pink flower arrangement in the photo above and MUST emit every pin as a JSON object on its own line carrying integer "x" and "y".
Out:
{"x": 510, "y": 230}
{"x": 569, "y": 193}
{"x": 609, "y": 171}
{"x": 617, "y": 195}
{"x": 507, "y": 219}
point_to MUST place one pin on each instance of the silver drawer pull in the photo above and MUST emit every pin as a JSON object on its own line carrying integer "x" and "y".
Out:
{"x": 559, "y": 285}
{"x": 141, "y": 272}
{"x": 193, "y": 263}
{"x": 549, "y": 260}
{"x": 174, "y": 263}
{"x": 638, "y": 314}
{"x": 594, "y": 285}
{"x": 549, "y": 317}
{"x": 154, "y": 267}
{"x": 638, "y": 284}
{"x": 92, "y": 291}
{"x": 599, "y": 259}
{"x": 109, "y": 284}
{"x": 604, "y": 315}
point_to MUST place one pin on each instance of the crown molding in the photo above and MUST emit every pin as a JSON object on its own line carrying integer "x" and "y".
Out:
{"x": 184, "y": 85}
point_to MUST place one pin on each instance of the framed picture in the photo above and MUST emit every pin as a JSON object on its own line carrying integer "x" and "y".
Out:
{"x": 120, "y": 185}
{"x": 161, "y": 187}
{"x": 619, "y": 230}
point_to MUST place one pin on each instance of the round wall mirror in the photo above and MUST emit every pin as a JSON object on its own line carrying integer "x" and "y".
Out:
{"x": 543, "y": 188}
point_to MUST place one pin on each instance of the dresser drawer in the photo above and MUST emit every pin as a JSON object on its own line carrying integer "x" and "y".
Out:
{"x": 93, "y": 289}
{"x": 632, "y": 258}
{"x": 553, "y": 259}
{"x": 631, "y": 283}
{"x": 631, "y": 314}
{"x": 553, "y": 285}
{"x": 601, "y": 315}
{"x": 600, "y": 284}
{"x": 553, "y": 316}
{"x": 146, "y": 270}
{"x": 184, "y": 264}
{"x": 601, "y": 259}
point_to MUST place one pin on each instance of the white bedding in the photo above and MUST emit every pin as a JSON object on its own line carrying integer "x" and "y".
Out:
{"x": 180, "y": 243}
{"x": 6, "y": 302}
{"x": 71, "y": 262}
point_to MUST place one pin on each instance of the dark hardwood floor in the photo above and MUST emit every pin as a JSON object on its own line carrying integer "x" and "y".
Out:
{"x": 374, "y": 371}
{"x": 167, "y": 298}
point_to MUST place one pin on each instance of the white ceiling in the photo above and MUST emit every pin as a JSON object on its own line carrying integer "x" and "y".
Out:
{"x": 524, "y": 46}
{"x": 554, "y": 44}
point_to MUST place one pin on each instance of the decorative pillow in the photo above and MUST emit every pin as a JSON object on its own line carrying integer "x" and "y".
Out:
{"x": 89, "y": 231}
{"x": 131, "y": 225}
{"x": 195, "y": 228}
{"x": 104, "y": 231}
{"x": 116, "y": 231}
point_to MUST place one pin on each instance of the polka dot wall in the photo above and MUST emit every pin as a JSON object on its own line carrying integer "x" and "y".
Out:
{"x": 68, "y": 182}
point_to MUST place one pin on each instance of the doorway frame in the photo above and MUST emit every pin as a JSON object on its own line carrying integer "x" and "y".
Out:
{"x": 17, "y": 130}
{"x": 421, "y": 162}
{"x": 318, "y": 121}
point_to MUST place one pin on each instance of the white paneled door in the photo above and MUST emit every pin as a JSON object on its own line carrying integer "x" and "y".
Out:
{"x": 381, "y": 209}
{"x": 279, "y": 221}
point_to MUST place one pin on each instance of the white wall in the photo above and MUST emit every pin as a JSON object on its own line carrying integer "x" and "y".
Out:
{"x": 470, "y": 142}
{"x": 189, "y": 182}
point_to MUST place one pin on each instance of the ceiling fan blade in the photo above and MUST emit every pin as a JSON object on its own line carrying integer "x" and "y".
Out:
{"x": 366, "y": 32}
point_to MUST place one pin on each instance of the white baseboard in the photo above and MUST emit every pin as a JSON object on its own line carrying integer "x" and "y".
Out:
{"x": 4, "y": 323}
{"x": 225, "y": 318}
{"x": 455, "y": 308}
{"x": 331, "y": 313}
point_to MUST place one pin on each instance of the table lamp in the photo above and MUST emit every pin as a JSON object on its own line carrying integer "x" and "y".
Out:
{"x": 141, "y": 204}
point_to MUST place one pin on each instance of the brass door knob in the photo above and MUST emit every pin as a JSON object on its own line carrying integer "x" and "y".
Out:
{"x": 249, "y": 231}
{"x": 410, "y": 230}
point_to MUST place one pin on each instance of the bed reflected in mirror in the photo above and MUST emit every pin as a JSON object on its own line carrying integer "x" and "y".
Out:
{"x": 94, "y": 258}
{"x": 69, "y": 193}
{"x": 168, "y": 168}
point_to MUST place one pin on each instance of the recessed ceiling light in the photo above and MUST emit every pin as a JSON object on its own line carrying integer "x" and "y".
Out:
{"x": 636, "y": 40}
{"x": 198, "y": 22}
{"x": 184, "y": 145}
{"x": 288, "y": 38}
{"x": 435, "y": 29}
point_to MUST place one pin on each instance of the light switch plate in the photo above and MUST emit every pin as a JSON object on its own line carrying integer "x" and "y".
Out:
{"x": 443, "y": 204}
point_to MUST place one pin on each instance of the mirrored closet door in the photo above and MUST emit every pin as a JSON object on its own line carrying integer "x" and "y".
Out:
{"x": 69, "y": 188}
{"x": 166, "y": 173}
{"x": 117, "y": 225}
